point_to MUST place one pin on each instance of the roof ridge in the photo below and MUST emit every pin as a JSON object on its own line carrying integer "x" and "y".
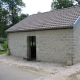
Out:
{"x": 67, "y": 7}
{"x": 57, "y": 10}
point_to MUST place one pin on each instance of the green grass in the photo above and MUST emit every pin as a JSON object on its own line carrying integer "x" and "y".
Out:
{"x": 3, "y": 52}
{"x": 4, "y": 45}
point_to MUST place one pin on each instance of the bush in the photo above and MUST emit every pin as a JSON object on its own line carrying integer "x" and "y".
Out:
{"x": 4, "y": 45}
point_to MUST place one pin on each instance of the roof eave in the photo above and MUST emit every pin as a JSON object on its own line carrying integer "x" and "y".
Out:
{"x": 41, "y": 29}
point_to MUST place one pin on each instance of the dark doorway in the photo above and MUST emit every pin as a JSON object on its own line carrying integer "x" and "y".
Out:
{"x": 32, "y": 47}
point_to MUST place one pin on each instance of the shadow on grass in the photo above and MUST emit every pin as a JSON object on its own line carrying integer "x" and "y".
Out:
{"x": 3, "y": 52}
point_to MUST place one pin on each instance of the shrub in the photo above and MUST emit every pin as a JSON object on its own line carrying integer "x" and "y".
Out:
{"x": 4, "y": 45}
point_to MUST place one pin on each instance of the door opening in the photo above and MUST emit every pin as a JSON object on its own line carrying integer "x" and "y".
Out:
{"x": 32, "y": 47}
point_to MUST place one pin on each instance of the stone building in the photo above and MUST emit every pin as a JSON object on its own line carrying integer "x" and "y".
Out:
{"x": 50, "y": 36}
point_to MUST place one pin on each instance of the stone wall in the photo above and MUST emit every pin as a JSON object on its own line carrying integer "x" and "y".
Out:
{"x": 51, "y": 45}
{"x": 55, "y": 45}
{"x": 77, "y": 43}
{"x": 17, "y": 44}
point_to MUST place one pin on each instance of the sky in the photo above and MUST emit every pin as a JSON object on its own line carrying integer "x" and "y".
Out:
{"x": 34, "y": 6}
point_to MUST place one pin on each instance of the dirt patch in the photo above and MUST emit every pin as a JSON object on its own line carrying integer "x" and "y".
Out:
{"x": 44, "y": 68}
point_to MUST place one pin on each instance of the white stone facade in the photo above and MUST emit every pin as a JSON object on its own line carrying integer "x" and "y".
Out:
{"x": 51, "y": 45}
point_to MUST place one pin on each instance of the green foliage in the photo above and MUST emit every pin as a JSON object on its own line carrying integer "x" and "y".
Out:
{"x": 14, "y": 9}
{"x": 78, "y": 1}
{"x": 4, "y": 45}
{"x": 3, "y": 19}
{"x": 3, "y": 52}
{"x": 22, "y": 16}
{"x": 10, "y": 14}
{"x": 58, "y": 4}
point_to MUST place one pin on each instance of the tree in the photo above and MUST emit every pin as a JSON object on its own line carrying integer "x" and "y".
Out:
{"x": 14, "y": 9}
{"x": 78, "y": 1}
{"x": 10, "y": 14}
{"x": 38, "y": 12}
{"x": 58, "y": 4}
{"x": 22, "y": 16}
{"x": 3, "y": 19}
{"x": 3, "y": 22}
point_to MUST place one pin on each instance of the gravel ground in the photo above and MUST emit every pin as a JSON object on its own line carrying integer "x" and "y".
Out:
{"x": 57, "y": 71}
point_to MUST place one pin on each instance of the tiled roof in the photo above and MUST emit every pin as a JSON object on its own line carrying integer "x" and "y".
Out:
{"x": 61, "y": 18}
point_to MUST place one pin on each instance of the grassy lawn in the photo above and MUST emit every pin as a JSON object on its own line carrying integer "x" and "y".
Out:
{"x": 3, "y": 52}
{"x": 4, "y": 45}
